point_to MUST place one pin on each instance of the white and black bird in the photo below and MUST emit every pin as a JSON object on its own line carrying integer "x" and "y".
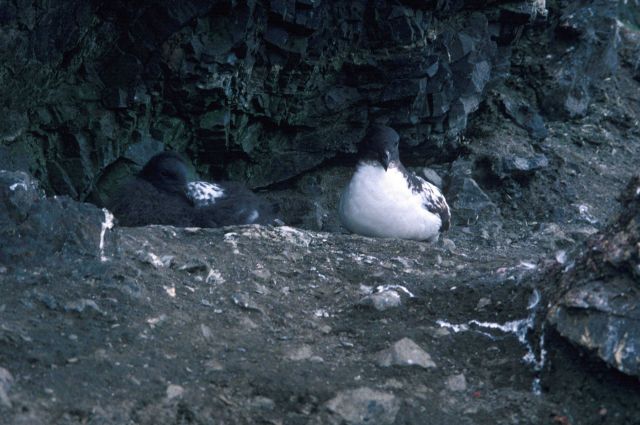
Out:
{"x": 162, "y": 194}
{"x": 384, "y": 199}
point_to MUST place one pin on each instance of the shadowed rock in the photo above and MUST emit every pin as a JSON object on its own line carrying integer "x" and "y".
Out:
{"x": 595, "y": 296}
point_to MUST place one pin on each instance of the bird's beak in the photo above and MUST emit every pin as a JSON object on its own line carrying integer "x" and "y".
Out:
{"x": 386, "y": 159}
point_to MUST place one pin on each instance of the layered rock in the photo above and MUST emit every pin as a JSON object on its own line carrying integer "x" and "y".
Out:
{"x": 259, "y": 91}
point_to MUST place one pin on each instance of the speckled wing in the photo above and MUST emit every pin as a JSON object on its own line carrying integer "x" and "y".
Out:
{"x": 432, "y": 199}
{"x": 203, "y": 194}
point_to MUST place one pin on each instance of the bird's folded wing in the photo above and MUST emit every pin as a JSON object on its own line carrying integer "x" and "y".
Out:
{"x": 434, "y": 202}
{"x": 203, "y": 194}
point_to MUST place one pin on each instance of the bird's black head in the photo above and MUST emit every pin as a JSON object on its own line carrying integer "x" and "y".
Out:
{"x": 381, "y": 144}
{"x": 166, "y": 171}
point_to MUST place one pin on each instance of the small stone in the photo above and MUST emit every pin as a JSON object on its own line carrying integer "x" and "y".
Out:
{"x": 247, "y": 323}
{"x": 213, "y": 365}
{"x": 6, "y": 381}
{"x": 155, "y": 321}
{"x": 300, "y": 353}
{"x": 561, "y": 256}
{"x": 207, "y": 333}
{"x": 432, "y": 177}
{"x": 365, "y": 406}
{"x": 174, "y": 391}
{"x": 404, "y": 353}
{"x": 439, "y": 332}
{"x": 512, "y": 165}
{"x": 456, "y": 383}
{"x": 448, "y": 244}
{"x": 583, "y": 209}
{"x": 262, "y": 274}
{"x": 82, "y": 305}
{"x": 321, "y": 312}
{"x": 156, "y": 261}
{"x": 244, "y": 301}
{"x": 325, "y": 329}
{"x": 394, "y": 384}
{"x": 264, "y": 404}
{"x": 482, "y": 303}
{"x": 470, "y": 203}
{"x": 382, "y": 301}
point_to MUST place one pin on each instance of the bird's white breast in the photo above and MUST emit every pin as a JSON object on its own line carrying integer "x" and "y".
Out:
{"x": 380, "y": 203}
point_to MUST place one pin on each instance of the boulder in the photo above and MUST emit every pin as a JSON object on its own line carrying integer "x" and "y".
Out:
{"x": 594, "y": 297}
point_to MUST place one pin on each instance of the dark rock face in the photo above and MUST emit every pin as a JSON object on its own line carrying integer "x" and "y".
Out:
{"x": 259, "y": 91}
{"x": 596, "y": 296}
{"x": 583, "y": 51}
{"x": 525, "y": 116}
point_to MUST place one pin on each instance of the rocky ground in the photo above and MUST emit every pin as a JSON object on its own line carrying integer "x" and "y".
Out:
{"x": 286, "y": 325}
{"x": 525, "y": 312}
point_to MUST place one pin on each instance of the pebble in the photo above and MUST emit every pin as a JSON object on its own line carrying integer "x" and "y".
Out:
{"x": 6, "y": 381}
{"x": 297, "y": 354}
{"x": 482, "y": 303}
{"x": 561, "y": 256}
{"x": 432, "y": 177}
{"x": 80, "y": 305}
{"x": 207, "y": 333}
{"x": 382, "y": 301}
{"x": 262, "y": 274}
{"x": 213, "y": 365}
{"x": 439, "y": 332}
{"x": 174, "y": 391}
{"x": 244, "y": 301}
{"x": 264, "y": 404}
{"x": 404, "y": 353}
{"x": 365, "y": 406}
{"x": 158, "y": 262}
{"x": 325, "y": 329}
{"x": 247, "y": 323}
{"x": 456, "y": 383}
{"x": 448, "y": 244}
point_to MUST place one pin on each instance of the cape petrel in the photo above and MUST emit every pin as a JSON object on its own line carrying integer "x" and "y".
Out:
{"x": 384, "y": 199}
